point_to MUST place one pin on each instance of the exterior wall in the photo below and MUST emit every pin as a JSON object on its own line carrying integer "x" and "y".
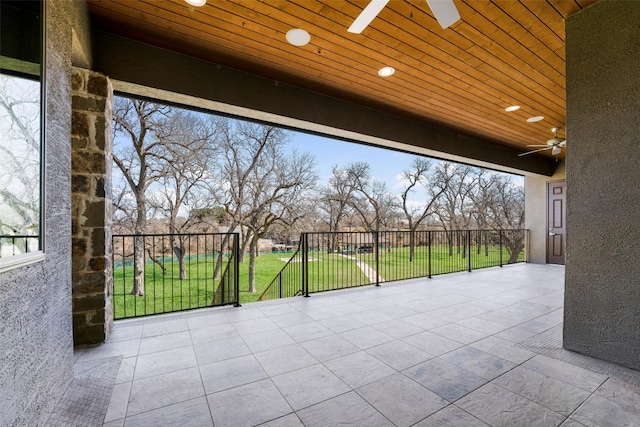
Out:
{"x": 91, "y": 221}
{"x": 602, "y": 298}
{"x": 535, "y": 213}
{"x": 36, "y": 347}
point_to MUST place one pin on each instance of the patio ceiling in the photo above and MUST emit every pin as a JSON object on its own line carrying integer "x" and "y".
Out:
{"x": 500, "y": 53}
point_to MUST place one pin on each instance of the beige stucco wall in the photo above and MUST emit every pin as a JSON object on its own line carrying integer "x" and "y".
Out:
{"x": 535, "y": 211}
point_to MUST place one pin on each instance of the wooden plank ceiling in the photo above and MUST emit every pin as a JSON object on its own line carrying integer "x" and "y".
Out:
{"x": 501, "y": 53}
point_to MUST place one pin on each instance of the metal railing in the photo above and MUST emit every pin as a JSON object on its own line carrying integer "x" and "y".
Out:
{"x": 11, "y": 245}
{"x": 329, "y": 261}
{"x": 162, "y": 273}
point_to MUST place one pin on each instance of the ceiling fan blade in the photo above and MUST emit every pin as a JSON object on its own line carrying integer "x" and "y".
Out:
{"x": 563, "y": 143}
{"x": 535, "y": 151}
{"x": 367, "y": 15}
{"x": 445, "y": 11}
{"x": 538, "y": 145}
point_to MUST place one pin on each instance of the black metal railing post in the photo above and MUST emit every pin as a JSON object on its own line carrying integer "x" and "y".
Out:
{"x": 280, "y": 284}
{"x": 376, "y": 242}
{"x": 236, "y": 267}
{"x": 305, "y": 264}
{"x": 500, "y": 245}
{"x": 429, "y": 254}
{"x": 469, "y": 249}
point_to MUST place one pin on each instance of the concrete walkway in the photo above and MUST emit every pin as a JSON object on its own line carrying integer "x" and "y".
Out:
{"x": 466, "y": 349}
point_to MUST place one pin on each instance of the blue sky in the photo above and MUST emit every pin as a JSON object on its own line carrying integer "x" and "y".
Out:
{"x": 385, "y": 164}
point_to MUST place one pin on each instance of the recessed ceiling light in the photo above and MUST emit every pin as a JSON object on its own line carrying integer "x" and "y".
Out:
{"x": 535, "y": 119}
{"x": 386, "y": 71}
{"x": 298, "y": 37}
{"x": 197, "y": 3}
{"x": 512, "y": 108}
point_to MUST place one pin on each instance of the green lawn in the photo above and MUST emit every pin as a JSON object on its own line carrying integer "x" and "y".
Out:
{"x": 165, "y": 293}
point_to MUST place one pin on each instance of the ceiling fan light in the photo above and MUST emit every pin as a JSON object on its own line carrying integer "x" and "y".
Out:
{"x": 512, "y": 108}
{"x": 196, "y": 3}
{"x": 386, "y": 71}
{"x": 556, "y": 150}
{"x": 298, "y": 37}
{"x": 535, "y": 119}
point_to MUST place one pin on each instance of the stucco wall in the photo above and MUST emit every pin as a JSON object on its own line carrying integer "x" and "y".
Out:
{"x": 602, "y": 296}
{"x": 36, "y": 348}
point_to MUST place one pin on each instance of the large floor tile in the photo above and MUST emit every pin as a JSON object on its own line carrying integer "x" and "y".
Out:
{"x": 290, "y": 420}
{"x": 164, "y": 390}
{"x": 432, "y": 343}
{"x": 213, "y": 333}
{"x": 192, "y": 413}
{"x": 398, "y": 328}
{"x": 164, "y": 342}
{"x": 267, "y": 340}
{"x": 329, "y": 347}
{"x": 503, "y": 349}
{"x": 482, "y": 364}
{"x": 459, "y": 333}
{"x": 341, "y": 323}
{"x": 285, "y": 359}
{"x": 215, "y": 351}
{"x": 346, "y": 410}
{"x": 566, "y": 372}
{"x": 556, "y": 395}
{"x": 425, "y": 321}
{"x": 247, "y": 405}
{"x": 307, "y": 331}
{"x": 308, "y": 386}
{"x": 497, "y": 406}
{"x": 119, "y": 402}
{"x": 399, "y": 355}
{"x": 622, "y": 393}
{"x": 207, "y": 320}
{"x": 451, "y": 416}
{"x": 163, "y": 362}
{"x": 231, "y": 373}
{"x": 447, "y": 381}
{"x": 598, "y": 411}
{"x": 359, "y": 368}
{"x": 164, "y": 327}
{"x": 366, "y": 337}
{"x": 401, "y": 400}
{"x": 253, "y": 326}
{"x": 291, "y": 319}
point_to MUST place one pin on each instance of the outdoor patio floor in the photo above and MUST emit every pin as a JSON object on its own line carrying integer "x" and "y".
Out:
{"x": 465, "y": 349}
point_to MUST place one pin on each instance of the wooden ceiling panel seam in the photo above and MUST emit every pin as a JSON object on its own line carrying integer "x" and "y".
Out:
{"x": 474, "y": 106}
{"x": 509, "y": 56}
{"x": 445, "y": 113}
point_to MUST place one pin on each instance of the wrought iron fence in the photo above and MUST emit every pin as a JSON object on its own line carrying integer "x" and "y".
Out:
{"x": 329, "y": 261}
{"x": 161, "y": 273}
{"x": 11, "y": 245}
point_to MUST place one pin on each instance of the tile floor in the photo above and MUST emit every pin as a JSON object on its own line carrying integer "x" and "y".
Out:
{"x": 428, "y": 352}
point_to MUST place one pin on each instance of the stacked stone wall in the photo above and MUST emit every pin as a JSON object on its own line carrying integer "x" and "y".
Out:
{"x": 91, "y": 161}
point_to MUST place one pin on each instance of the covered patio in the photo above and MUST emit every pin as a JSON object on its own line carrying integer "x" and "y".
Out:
{"x": 465, "y": 349}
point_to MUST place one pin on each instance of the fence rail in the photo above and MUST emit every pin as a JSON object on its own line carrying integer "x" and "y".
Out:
{"x": 16, "y": 244}
{"x": 329, "y": 261}
{"x": 161, "y": 273}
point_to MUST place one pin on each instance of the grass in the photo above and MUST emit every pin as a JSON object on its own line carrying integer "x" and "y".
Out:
{"x": 165, "y": 293}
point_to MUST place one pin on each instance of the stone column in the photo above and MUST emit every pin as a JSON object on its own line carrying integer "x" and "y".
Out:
{"x": 91, "y": 227}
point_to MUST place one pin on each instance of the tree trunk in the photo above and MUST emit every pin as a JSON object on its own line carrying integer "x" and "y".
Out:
{"x": 412, "y": 245}
{"x": 138, "y": 266}
{"x": 157, "y": 261}
{"x": 253, "y": 249}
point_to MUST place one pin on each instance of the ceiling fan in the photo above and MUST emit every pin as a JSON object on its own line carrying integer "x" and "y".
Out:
{"x": 554, "y": 144}
{"x": 445, "y": 12}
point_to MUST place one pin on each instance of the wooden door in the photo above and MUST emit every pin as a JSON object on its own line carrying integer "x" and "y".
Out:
{"x": 556, "y": 207}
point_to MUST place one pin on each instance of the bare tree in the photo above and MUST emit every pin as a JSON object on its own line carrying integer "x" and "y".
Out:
{"x": 507, "y": 212}
{"x": 262, "y": 185}
{"x": 454, "y": 208}
{"x": 334, "y": 203}
{"x": 19, "y": 156}
{"x": 372, "y": 202}
{"x": 140, "y": 152}
{"x": 415, "y": 213}
{"x": 190, "y": 151}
